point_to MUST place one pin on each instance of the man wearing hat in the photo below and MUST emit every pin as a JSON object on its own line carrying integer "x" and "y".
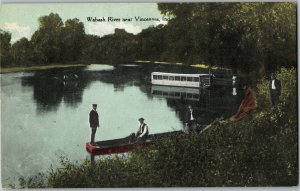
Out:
{"x": 143, "y": 131}
{"x": 275, "y": 90}
{"x": 190, "y": 119}
{"x": 94, "y": 122}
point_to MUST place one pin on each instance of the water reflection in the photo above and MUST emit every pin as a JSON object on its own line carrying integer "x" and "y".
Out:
{"x": 51, "y": 88}
{"x": 208, "y": 104}
{"x": 172, "y": 92}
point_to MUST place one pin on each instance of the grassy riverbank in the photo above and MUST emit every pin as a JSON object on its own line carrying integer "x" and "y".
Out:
{"x": 259, "y": 150}
{"x": 43, "y": 67}
{"x": 197, "y": 65}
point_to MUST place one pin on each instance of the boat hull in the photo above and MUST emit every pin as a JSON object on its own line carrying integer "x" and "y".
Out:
{"x": 123, "y": 145}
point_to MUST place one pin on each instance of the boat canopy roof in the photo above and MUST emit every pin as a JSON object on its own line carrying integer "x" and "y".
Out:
{"x": 176, "y": 74}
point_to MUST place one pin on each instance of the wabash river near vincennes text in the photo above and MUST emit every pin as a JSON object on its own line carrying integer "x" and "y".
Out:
{"x": 136, "y": 19}
{"x": 45, "y": 116}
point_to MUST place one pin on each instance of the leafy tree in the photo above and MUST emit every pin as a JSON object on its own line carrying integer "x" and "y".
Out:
{"x": 72, "y": 40}
{"x": 151, "y": 43}
{"x": 5, "y": 46}
{"x": 21, "y": 52}
{"x": 119, "y": 47}
{"x": 91, "y": 49}
{"x": 47, "y": 40}
{"x": 246, "y": 36}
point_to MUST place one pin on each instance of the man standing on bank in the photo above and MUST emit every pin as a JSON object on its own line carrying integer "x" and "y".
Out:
{"x": 94, "y": 123}
{"x": 143, "y": 131}
{"x": 190, "y": 119}
{"x": 275, "y": 90}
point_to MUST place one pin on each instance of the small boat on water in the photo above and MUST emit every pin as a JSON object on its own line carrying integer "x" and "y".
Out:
{"x": 126, "y": 144}
{"x": 183, "y": 80}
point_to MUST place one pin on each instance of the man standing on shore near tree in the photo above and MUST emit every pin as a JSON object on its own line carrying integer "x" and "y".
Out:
{"x": 94, "y": 123}
{"x": 275, "y": 90}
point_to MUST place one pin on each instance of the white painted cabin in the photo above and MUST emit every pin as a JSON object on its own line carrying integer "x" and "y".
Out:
{"x": 182, "y": 80}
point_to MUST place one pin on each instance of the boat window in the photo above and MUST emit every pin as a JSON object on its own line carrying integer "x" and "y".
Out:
{"x": 159, "y": 77}
{"x": 155, "y": 77}
{"x": 165, "y": 77}
{"x": 196, "y": 79}
{"x": 190, "y": 79}
{"x": 183, "y": 94}
{"x": 165, "y": 93}
{"x": 177, "y": 94}
{"x": 171, "y": 78}
{"x": 183, "y": 78}
{"x": 177, "y": 78}
{"x": 189, "y": 95}
{"x": 172, "y": 94}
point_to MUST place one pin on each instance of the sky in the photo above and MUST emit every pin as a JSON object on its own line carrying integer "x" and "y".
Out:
{"x": 21, "y": 20}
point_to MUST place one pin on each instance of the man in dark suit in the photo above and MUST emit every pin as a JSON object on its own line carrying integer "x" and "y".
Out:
{"x": 94, "y": 122}
{"x": 190, "y": 119}
{"x": 275, "y": 90}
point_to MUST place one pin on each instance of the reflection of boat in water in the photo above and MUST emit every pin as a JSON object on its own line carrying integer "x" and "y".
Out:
{"x": 176, "y": 92}
{"x": 124, "y": 144}
{"x": 182, "y": 80}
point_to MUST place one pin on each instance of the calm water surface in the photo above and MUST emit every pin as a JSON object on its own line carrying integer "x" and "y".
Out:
{"x": 45, "y": 113}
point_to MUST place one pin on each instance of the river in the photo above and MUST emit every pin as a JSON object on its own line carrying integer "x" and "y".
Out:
{"x": 44, "y": 114}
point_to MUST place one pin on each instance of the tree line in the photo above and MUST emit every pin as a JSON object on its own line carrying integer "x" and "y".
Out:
{"x": 243, "y": 36}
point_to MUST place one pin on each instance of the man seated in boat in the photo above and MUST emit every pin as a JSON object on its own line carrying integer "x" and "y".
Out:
{"x": 142, "y": 133}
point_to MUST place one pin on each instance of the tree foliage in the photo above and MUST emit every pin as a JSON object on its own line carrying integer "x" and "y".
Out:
{"x": 248, "y": 37}
{"x": 73, "y": 38}
{"x": 47, "y": 39}
{"x": 5, "y": 46}
{"x": 21, "y": 52}
{"x": 245, "y": 36}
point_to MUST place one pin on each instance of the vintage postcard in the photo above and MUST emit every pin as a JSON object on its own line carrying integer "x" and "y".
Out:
{"x": 105, "y": 95}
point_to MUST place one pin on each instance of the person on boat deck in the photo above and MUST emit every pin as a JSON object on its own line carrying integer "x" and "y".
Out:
{"x": 275, "y": 90}
{"x": 143, "y": 131}
{"x": 94, "y": 122}
{"x": 190, "y": 118}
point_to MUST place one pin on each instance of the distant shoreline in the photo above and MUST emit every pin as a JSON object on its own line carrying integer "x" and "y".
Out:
{"x": 204, "y": 66}
{"x": 52, "y": 66}
{"x": 45, "y": 67}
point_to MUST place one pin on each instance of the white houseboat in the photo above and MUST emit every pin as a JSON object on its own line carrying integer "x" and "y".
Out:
{"x": 183, "y": 80}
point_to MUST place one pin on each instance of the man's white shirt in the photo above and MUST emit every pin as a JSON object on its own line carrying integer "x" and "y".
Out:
{"x": 273, "y": 85}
